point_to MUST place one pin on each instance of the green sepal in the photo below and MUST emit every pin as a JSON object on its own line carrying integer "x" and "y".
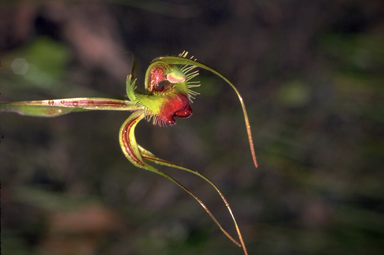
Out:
{"x": 57, "y": 107}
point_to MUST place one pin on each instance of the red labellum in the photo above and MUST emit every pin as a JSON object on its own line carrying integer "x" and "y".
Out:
{"x": 175, "y": 105}
{"x": 184, "y": 113}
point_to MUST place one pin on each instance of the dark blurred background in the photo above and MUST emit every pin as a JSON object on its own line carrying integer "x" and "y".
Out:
{"x": 311, "y": 74}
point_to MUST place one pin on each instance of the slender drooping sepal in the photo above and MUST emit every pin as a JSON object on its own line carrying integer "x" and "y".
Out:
{"x": 149, "y": 156}
{"x": 138, "y": 157}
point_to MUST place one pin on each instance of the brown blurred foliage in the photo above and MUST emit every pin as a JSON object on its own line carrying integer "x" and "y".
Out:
{"x": 311, "y": 73}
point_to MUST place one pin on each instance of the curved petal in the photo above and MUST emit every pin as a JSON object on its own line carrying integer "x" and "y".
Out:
{"x": 127, "y": 139}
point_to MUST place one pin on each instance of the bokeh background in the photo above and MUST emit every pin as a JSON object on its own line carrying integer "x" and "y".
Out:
{"x": 312, "y": 77}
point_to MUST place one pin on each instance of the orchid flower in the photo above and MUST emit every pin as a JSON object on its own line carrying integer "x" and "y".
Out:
{"x": 167, "y": 94}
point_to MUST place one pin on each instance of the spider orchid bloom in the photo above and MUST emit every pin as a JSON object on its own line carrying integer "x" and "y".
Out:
{"x": 167, "y": 95}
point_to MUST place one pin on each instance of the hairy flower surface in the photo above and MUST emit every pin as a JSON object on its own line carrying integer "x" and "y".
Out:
{"x": 168, "y": 95}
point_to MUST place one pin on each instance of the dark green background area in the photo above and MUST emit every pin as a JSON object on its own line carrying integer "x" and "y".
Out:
{"x": 312, "y": 77}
